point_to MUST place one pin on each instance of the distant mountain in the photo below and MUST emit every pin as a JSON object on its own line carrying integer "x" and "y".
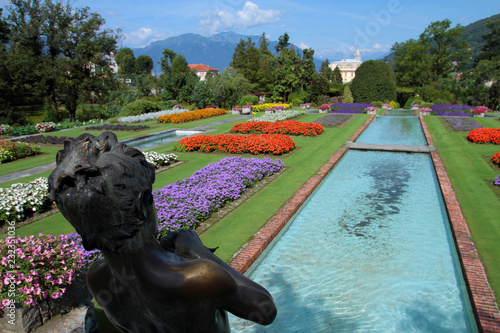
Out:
{"x": 215, "y": 51}
{"x": 473, "y": 34}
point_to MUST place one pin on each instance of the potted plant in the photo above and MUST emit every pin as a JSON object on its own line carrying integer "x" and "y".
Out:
{"x": 371, "y": 110}
{"x": 425, "y": 111}
{"x": 247, "y": 109}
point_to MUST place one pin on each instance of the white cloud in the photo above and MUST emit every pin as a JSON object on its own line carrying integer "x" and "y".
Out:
{"x": 143, "y": 37}
{"x": 250, "y": 16}
{"x": 303, "y": 46}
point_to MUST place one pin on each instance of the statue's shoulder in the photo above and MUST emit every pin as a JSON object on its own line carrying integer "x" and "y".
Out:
{"x": 98, "y": 273}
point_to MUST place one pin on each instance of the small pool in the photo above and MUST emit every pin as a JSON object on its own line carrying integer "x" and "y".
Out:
{"x": 369, "y": 251}
{"x": 399, "y": 112}
{"x": 394, "y": 130}
{"x": 159, "y": 139}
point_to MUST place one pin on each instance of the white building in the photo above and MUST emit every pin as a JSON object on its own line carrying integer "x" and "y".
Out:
{"x": 348, "y": 66}
{"x": 203, "y": 70}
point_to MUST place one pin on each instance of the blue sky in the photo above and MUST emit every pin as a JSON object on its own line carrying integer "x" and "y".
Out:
{"x": 327, "y": 26}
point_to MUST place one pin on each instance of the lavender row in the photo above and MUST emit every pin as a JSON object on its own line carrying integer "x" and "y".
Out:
{"x": 184, "y": 204}
{"x": 450, "y": 107}
{"x": 462, "y": 123}
{"x": 333, "y": 120}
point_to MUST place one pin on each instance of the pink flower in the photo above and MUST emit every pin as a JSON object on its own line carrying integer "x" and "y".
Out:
{"x": 5, "y": 303}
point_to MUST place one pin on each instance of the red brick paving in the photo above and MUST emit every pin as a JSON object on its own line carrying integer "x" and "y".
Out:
{"x": 481, "y": 294}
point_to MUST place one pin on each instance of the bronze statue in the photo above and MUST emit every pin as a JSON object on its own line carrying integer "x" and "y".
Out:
{"x": 104, "y": 189}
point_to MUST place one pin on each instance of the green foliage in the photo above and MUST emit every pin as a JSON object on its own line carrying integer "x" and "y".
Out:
{"x": 299, "y": 97}
{"x": 202, "y": 95}
{"x": 347, "y": 96}
{"x": 394, "y": 105}
{"x": 403, "y": 94}
{"x": 138, "y": 107}
{"x": 166, "y": 61}
{"x": 144, "y": 64}
{"x": 248, "y": 100}
{"x": 374, "y": 80}
{"x": 437, "y": 95}
{"x": 179, "y": 64}
{"x": 228, "y": 88}
{"x": 377, "y": 104}
{"x": 438, "y": 52}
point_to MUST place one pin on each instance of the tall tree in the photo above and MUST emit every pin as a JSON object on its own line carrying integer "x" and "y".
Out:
{"x": 436, "y": 54}
{"x": 326, "y": 71}
{"x": 59, "y": 50}
{"x": 166, "y": 60}
{"x": 337, "y": 75}
{"x": 282, "y": 43}
{"x": 374, "y": 81}
{"x": 246, "y": 60}
{"x": 122, "y": 53}
{"x": 144, "y": 64}
{"x": 264, "y": 45}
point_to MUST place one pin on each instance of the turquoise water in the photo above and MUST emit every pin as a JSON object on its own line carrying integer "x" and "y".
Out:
{"x": 394, "y": 130}
{"x": 159, "y": 139}
{"x": 399, "y": 112}
{"x": 370, "y": 251}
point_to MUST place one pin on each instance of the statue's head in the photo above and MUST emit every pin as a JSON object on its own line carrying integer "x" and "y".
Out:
{"x": 104, "y": 189}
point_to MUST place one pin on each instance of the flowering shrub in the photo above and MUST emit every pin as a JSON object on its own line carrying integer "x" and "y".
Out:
{"x": 324, "y": 107}
{"x": 386, "y": 105}
{"x": 290, "y": 127}
{"x": 425, "y": 110}
{"x": 22, "y": 199}
{"x": 438, "y": 108}
{"x": 184, "y": 117}
{"x": 483, "y": 109}
{"x": 42, "y": 267}
{"x": 484, "y": 135}
{"x": 158, "y": 159}
{"x": 184, "y": 204}
{"x": 495, "y": 159}
{"x": 4, "y": 129}
{"x": 462, "y": 123}
{"x": 333, "y": 120}
{"x": 371, "y": 108}
{"x": 236, "y": 109}
{"x": 350, "y": 106}
{"x": 150, "y": 116}
{"x": 478, "y": 111}
{"x": 45, "y": 127}
{"x": 284, "y": 115}
{"x": 10, "y": 151}
{"x": 275, "y": 144}
{"x": 263, "y": 107}
{"x": 247, "y": 106}
{"x": 279, "y": 108}
{"x": 305, "y": 105}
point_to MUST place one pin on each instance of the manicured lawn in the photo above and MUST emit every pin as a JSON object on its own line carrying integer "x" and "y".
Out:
{"x": 471, "y": 174}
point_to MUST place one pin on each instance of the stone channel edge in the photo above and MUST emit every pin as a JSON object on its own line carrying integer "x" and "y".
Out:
{"x": 481, "y": 295}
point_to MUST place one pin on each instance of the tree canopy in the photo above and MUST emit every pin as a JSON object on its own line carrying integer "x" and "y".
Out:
{"x": 374, "y": 81}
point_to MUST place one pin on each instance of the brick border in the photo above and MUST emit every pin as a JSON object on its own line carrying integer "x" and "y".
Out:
{"x": 481, "y": 295}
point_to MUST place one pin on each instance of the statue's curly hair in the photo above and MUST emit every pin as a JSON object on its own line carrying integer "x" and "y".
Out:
{"x": 104, "y": 189}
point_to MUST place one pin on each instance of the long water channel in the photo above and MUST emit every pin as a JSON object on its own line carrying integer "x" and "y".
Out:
{"x": 371, "y": 249}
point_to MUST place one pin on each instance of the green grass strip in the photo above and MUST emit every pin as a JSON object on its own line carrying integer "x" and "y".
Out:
{"x": 471, "y": 174}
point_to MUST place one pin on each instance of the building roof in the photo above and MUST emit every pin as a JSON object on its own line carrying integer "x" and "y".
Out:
{"x": 201, "y": 67}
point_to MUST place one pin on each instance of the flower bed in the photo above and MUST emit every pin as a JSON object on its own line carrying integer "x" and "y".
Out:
{"x": 41, "y": 267}
{"x": 275, "y": 144}
{"x": 45, "y": 127}
{"x": 184, "y": 204}
{"x": 184, "y": 117}
{"x": 23, "y": 199}
{"x": 333, "y": 120}
{"x": 451, "y": 107}
{"x": 350, "y": 106}
{"x": 149, "y": 116}
{"x": 4, "y": 129}
{"x": 485, "y": 135}
{"x": 462, "y": 123}
{"x": 290, "y": 127}
{"x": 159, "y": 160}
{"x": 263, "y": 107}
{"x": 495, "y": 159}
{"x": 272, "y": 118}
{"x": 109, "y": 127}
{"x": 44, "y": 139}
{"x": 10, "y": 151}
